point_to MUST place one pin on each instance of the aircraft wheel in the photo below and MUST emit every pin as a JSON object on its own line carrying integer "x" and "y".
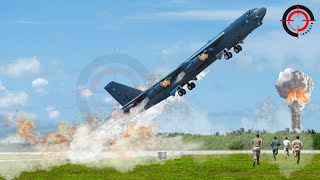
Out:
{"x": 184, "y": 91}
{"x": 193, "y": 85}
{"x": 189, "y": 86}
{"x": 230, "y": 54}
{"x": 180, "y": 93}
{"x": 226, "y": 56}
{"x": 236, "y": 50}
{"x": 239, "y": 47}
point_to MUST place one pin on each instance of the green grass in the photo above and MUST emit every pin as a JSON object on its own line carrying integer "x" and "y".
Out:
{"x": 243, "y": 141}
{"x": 194, "y": 167}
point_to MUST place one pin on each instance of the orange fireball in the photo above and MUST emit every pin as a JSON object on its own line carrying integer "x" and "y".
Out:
{"x": 297, "y": 95}
{"x": 25, "y": 128}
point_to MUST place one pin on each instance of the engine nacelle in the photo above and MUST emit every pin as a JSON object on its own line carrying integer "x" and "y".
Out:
{"x": 158, "y": 88}
{"x": 196, "y": 62}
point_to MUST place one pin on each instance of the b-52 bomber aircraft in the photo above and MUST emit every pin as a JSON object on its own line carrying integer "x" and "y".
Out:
{"x": 186, "y": 73}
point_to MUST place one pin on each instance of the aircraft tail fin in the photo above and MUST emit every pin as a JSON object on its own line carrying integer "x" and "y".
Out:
{"x": 122, "y": 93}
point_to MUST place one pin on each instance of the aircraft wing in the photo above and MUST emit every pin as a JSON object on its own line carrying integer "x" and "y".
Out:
{"x": 210, "y": 44}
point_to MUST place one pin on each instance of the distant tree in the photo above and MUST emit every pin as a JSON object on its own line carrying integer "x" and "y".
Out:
{"x": 241, "y": 130}
{"x": 311, "y": 131}
{"x": 264, "y": 131}
{"x": 249, "y": 131}
{"x": 217, "y": 133}
{"x": 287, "y": 130}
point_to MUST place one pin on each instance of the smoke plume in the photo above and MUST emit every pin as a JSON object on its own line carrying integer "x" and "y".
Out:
{"x": 295, "y": 87}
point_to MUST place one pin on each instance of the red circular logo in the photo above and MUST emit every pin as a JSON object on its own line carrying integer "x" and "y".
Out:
{"x": 297, "y": 20}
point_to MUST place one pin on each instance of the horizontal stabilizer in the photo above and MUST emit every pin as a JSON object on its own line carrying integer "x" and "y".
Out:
{"x": 122, "y": 93}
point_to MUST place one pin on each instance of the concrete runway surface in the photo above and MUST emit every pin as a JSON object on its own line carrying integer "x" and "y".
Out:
{"x": 40, "y": 156}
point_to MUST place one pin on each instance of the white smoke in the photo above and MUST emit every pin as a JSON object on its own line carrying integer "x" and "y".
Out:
{"x": 203, "y": 73}
{"x": 96, "y": 137}
{"x": 88, "y": 145}
{"x": 268, "y": 117}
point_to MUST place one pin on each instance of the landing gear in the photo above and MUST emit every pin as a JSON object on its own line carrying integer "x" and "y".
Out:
{"x": 191, "y": 85}
{"x": 237, "y": 48}
{"x": 182, "y": 92}
{"x": 227, "y": 55}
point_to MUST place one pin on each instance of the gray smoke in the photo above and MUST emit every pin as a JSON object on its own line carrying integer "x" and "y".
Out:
{"x": 294, "y": 80}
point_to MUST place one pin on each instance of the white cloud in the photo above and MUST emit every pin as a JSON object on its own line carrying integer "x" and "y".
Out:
{"x": 273, "y": 13}
{"x": 11, "y": 98}
{"x": 39, "y": 82}
{"x": 2, "y": 87}
{"x": 108, "y": 99}
{"x": 20, "y": 67}
{"x": 29, "y": 22}
{"x": 39, "y": 85}
{"x": 85, "y": 93}
{"x": 52, "y": 112}
{"x": 278, "y": 50}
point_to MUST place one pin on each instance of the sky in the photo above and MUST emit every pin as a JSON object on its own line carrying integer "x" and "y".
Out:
{"x": 56, "y": 57}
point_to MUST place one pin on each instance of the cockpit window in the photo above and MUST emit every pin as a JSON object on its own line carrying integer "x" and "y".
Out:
{"x": 251, "y": 11}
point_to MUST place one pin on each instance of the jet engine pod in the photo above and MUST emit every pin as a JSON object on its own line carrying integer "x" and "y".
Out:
{"x": 203, "y": 56}
{"x": 157, "y": 88}
{"x": 196, "y": 62}
{"x": 165, "y": 83}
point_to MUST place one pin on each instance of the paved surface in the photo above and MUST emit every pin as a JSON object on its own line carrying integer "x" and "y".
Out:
{"x": 28, "y": 156}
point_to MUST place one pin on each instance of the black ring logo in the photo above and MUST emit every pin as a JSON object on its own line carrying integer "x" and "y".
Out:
{"x": 287, "y": 21}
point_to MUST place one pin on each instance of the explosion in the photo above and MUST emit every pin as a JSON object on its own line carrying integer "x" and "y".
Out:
{"x": 26, "y": 131}
{"x": 63, "y": 135}
{"x": 296, "y": 87}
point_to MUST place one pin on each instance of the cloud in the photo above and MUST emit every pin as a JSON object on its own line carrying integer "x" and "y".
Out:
{"x": 29, "y": 22}
{"x": 21, "y": 67}
{"x": 39, "y": 85}
{"x": 199, "y": 15}
{"x": 2, "y": 87}
{"x": 10, "y": 98}
{"x": 278, "y": 50}
{"x": 85, "y": 93}
{"x": 52, "y": 112}
{"x": 207, "y": 14}
{"x": 39, "y": 82}
{"x": 108, "y": 99}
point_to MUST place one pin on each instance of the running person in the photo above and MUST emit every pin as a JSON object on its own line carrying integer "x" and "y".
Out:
{"x": 286, "y": 144}
{"x": 256, "y": 144}
{"x": 297, "y": 145}
{"x": 275, "y": 145}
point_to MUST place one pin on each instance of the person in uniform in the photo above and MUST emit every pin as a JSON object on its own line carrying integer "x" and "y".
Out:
{"x": 286, "y": 144}
{"x": 297, "y": 145}
{"x": 256, "y": 144}
{"x": 275, "y": 145}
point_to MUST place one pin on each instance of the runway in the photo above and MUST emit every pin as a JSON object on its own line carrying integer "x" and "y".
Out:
{"x": 61, "y": 156}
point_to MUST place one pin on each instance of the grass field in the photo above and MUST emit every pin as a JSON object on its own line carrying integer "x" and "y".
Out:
{"x": 194, "y": 167}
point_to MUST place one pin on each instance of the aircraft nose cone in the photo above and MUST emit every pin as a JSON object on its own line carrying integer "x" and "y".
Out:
{"x": 262, "y": 11}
